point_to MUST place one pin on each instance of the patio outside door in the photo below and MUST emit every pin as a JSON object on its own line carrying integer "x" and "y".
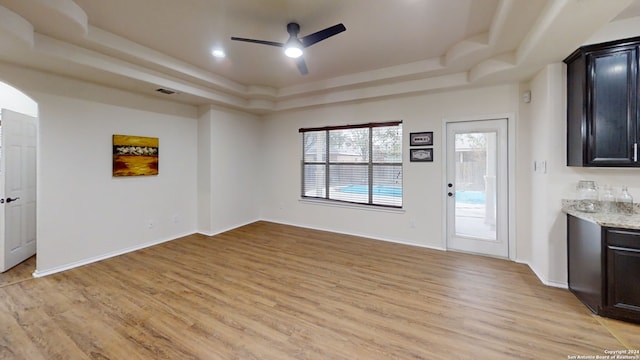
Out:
{"x": 477, "y": 187}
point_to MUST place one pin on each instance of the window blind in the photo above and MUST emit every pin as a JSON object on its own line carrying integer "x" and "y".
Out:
{"x": 359, "y": 164}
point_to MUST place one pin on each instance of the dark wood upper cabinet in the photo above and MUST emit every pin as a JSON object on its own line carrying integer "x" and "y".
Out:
{"x": 602, "y": 105}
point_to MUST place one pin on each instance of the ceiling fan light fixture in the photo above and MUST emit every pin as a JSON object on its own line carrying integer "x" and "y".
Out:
{"x": 293, "y": 52}
{"x": 218, "y": 53}
{"x": 293, "y": 48}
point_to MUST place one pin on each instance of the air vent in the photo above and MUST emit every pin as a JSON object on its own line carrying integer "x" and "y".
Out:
{"x": 165, "y": 91}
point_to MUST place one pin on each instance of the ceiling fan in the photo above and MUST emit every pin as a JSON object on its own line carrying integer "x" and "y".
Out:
{"x": 293, "y": 48}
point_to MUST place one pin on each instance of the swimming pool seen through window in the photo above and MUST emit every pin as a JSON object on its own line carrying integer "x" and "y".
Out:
{"x": 359, "y": 164}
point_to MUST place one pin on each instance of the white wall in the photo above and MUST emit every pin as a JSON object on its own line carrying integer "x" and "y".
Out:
{"x": 547, "y": 144}
{"x": 615, "y": 30}
{"x": 524, "y": 175}
{"x": 84, "y": 214}
{"x": 229, "y": 169}
{"x": 205, "y": 166}
{"x": 15, "y": 100}
{"x": 423, "y": 187}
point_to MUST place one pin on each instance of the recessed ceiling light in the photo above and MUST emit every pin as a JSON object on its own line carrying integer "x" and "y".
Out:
{"x": 218, "y": 53}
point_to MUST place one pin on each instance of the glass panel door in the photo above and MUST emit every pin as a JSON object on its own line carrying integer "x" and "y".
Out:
{"x": 477, "y": 187}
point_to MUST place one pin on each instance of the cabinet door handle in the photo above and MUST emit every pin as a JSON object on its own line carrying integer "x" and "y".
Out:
{"x": 635, "y": 152}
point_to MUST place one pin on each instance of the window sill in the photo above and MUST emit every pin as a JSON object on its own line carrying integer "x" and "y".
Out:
{"x": 331, "y": 203}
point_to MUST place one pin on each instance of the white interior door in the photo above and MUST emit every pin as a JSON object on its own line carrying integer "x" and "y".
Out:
{"x": 477, "y": 187}
{"x": 17, "y": 188}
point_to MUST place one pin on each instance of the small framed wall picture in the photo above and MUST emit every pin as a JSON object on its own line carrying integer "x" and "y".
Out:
{"x": 421, "y": 154}
{"x": 421, "y": 138}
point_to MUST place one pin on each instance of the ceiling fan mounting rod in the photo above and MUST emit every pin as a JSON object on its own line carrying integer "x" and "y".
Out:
{"x": 293, "y": 29}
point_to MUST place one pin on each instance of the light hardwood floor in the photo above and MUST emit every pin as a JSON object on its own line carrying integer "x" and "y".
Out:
{"x": 270, "y": 291}
{"x": 19, "y": 272}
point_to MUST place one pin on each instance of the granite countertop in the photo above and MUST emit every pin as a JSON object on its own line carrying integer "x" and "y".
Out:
{"x": 605, "y": 219}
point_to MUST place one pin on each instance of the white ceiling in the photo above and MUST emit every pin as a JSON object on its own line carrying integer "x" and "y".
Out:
{"x": 389, "y": 48}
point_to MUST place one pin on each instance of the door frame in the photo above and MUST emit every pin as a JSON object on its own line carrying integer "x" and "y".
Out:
{"x": 21, "y": 109}
{"x": 511, "y": 175}
{"x": 27, "y": 194}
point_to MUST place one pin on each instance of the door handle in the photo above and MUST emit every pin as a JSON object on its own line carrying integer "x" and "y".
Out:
{"x": 11, "y": 200}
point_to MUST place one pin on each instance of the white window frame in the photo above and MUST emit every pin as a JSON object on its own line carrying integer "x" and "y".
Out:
{"x": 370, "y": 164}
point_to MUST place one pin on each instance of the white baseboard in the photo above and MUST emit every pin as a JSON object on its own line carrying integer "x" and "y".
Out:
{"x": 227, "y": 228}
{"x": 57, "y": 269}
{"x": 368, "y": 236}
{"x": 556, "y": 284}
{"x": 542, "y": 279}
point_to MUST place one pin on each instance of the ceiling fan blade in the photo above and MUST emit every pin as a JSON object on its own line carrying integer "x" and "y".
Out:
{"x": 322, "y": 34}
{"x": 263, "y": 42}
{"x": 302, "y": 66}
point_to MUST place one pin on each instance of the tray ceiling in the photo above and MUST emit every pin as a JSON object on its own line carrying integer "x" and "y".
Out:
{"x": 389, "y": 48}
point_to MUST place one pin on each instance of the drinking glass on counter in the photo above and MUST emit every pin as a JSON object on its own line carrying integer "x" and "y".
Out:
{"x": 624, "y": 202}
{"x": 587, "y": 196}
{"x": 608, "y": 200}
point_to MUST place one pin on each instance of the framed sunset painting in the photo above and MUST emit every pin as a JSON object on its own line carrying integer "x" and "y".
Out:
{"x": 135, "y": 155}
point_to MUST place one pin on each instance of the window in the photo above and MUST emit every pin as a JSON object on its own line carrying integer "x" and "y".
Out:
{"x": 353, "y": 163}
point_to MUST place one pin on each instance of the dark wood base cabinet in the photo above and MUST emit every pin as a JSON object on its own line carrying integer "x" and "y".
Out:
{"x": 604, "y": 268}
